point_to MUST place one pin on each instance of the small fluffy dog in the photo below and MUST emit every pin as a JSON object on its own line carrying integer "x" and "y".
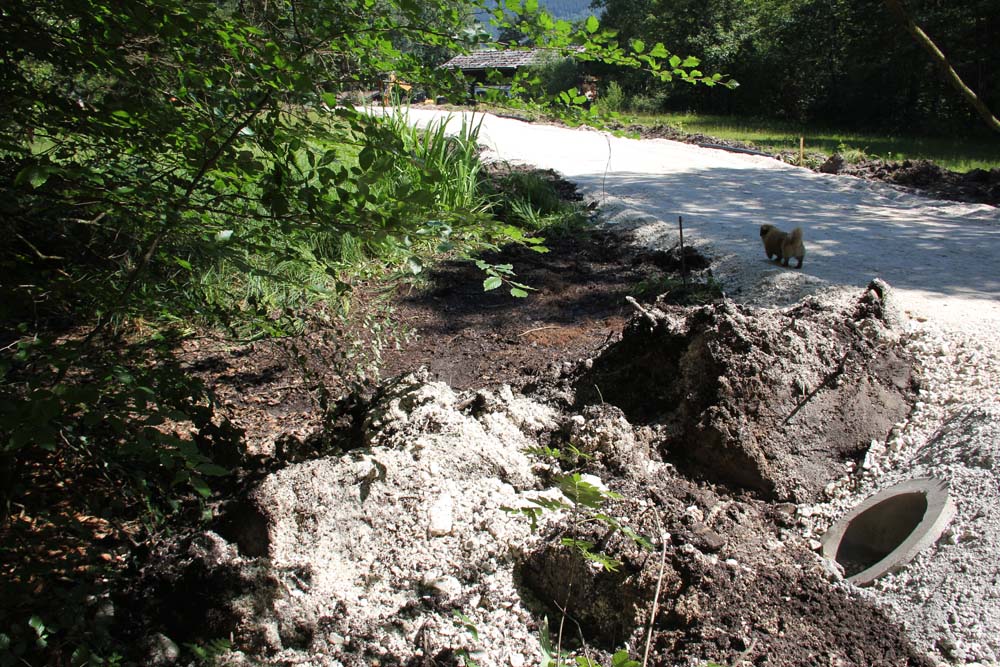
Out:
{"x": 783, "y": 245}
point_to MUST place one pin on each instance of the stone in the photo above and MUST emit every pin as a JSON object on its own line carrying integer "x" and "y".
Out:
{"x": 440, "y": 516}
{"x": 833, "y": 165}
{"x": 161, "y": 651}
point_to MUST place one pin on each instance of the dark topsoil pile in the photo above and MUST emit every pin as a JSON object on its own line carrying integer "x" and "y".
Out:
{"x": 753, "y": 409}
{"x": 753, "y": 406}
{"x": 774, "y": 403}
{"x": 733, "y": 584}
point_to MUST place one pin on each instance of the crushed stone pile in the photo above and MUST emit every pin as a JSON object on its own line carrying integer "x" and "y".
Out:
{"x": 948, "y": 597}
{"x": 951, "y": 594}
{"x": 368, "y": 554}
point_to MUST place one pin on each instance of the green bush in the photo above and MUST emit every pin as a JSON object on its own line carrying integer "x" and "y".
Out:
{"x": 612, "y": 100}
{"x": 648, "y": 103}
{"x": 556, "y": 74}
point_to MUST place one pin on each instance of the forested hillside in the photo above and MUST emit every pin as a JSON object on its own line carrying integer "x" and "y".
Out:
{"x": 567, "y": 10}
{"x": 570, "y": 10}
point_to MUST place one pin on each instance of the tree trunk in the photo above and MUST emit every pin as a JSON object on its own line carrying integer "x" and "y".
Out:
{"x": 896, "y": 7}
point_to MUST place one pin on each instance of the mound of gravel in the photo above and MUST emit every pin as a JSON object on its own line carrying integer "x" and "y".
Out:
{"x": 374, "y": 550}
{"x": 950, "y": 595}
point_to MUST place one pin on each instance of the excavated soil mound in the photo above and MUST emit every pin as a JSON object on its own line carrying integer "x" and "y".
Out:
{"x": 440, "y": 530}
{"x": 734, "y": 586}
{"x": 404, "y": 552}
{"x": 977, "y": 185}
{"x": 774, "y": 402}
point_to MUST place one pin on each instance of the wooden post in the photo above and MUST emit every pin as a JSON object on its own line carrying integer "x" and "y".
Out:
{"x": 684, "y": 273}
{"x": 802, "y": 151}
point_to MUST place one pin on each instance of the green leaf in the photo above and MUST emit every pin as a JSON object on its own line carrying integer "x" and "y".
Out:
{"x": 622, "y": 659}
{"x": 545, "y": 644}
{"x": 549, "y": 504}
{"x": 659, "y": 51}
{"x": 592, "y": 24}
{"x": 34, "y": 174}
{"x": 586, "y": 549}
{"x": 638, "y": 45}
{"x": 415, "y": 265}
{"x": 41, "y": 631}
{"x": 492, "y": 283}
{"x": 37, "y": 624}
{"x": 367, "y": 158}
{"x": 212, "y": 470}
{"x": 518, "y": 292}
{"x": 531, "y": 6}
{"x": 467, "y": 623}
{"x": 183, "y": 263}
{"x": 582, "y": 492}
{"x": 199, "y": 485}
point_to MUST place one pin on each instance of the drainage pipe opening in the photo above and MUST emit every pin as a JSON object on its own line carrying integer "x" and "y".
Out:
{"x": 879, "y": 530}
{"x": 888, "y": 529}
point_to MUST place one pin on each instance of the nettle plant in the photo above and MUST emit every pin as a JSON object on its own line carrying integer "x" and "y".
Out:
{"x": 584, "y": 498}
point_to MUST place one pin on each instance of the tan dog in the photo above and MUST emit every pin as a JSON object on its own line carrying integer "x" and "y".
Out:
{"x": 783, "y": 245}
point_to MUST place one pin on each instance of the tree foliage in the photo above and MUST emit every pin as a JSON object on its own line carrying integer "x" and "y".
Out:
{"x": 844, "y": 61}
{"x": 180, "y": 162}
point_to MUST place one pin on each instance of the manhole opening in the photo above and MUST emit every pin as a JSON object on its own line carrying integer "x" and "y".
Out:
{"x": 877, "y": 531}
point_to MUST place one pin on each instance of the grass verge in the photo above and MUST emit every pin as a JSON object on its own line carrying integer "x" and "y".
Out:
{"x": 956, "y": 154}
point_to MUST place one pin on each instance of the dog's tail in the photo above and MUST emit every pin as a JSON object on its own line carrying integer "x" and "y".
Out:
{"x": 795, "y": 236}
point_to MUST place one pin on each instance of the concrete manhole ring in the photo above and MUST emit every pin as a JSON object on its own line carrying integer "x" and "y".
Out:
{"x": 888, "y": 529}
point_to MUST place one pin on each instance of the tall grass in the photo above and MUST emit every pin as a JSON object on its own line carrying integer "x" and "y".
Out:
{"x": 957, "y": 154}
{"x": 429, "y": 196}
{"x": 425, "y": 195}
{"x": 454, "y": 158}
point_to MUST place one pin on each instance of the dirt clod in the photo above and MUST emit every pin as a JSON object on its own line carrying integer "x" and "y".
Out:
{"x": 771, "y": 402}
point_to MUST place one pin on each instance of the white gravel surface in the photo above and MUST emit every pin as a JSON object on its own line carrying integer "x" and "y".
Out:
{"x": 942, "y": 258}
{"x": 355, "y": 541}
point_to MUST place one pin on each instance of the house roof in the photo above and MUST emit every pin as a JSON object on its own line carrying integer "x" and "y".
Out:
{"x": 494, "y": 59}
